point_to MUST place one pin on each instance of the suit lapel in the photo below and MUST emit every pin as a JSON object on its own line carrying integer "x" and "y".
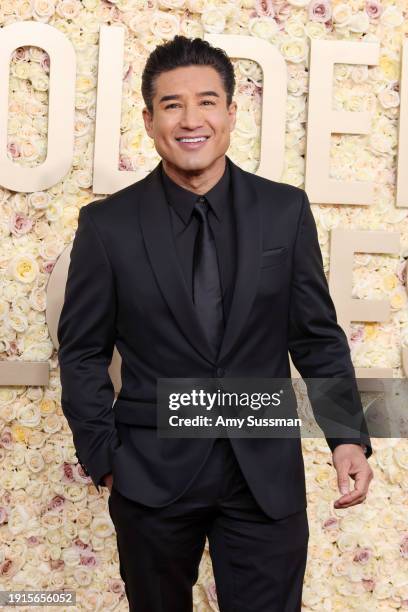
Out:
{"x": 249, "y": 249}
{"x": 157, "y": 233}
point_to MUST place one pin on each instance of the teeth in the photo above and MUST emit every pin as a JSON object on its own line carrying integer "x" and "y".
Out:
{"x": 200, "y": 139}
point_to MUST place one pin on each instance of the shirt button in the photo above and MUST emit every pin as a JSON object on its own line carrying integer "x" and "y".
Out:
{"x": 201, "y": 199}
{"x": 220, "y": 371}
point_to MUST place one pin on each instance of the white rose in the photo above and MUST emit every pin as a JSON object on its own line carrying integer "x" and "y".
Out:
{"x": 101, "y": 527}
{"x": 68, "y": 9}
{"x": 342, "y": 14}
{"x": 24, "y": 268}
{"x": 389, "y": 98}
{"x": 39, "y": 200}
{"x": 294, "y": 50}
{"x": 29, "y": 415}
{"x": 21, "y": 70}
{"x": 43, "y": 8}
{"x": 315, "y": 29}
{"x": 196, "y": 6}
{"x": 213, "y": 20}
{"x": 359, "y": 22}
{"x": 18, "y": 322}
{"x": 392, "y": 17}
{"x": 52, "y": 423}
{"x": 34, "y": 460}
{"x": 171, "y": 4}
{"x": 295, "y": 106}
{"x": 359, "y": 73}
{"x": 191, "y": 28}
{"x": 298, "y": 3}
{"x": 164, "y": 25}
{"x": 263, "y": 27}
{"x": 22, "y": 10}
{"x": 295, "y": 28}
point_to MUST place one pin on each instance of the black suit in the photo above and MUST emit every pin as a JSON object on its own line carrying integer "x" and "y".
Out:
{"x": 126, "y": 287}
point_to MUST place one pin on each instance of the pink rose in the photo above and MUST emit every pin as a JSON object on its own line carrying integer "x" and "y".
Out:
{"x": 320, "y": 10}
{"x": 57, "y": 564}
{"x": 13, "y": 348}
{"x": 20, "y": 54}
{"x": 13, "y": 148}
{"x": 282, "y": 11}
{"x": 6, "y": 438}
{"x": 20, "y": 224}
{"x": 401, "y": 272}
{"x": 3, "y": 515}
{"x": 211, "y": 592}
{"x": 45, "y": 62}
{"x": 56, "y": 503}
{"x": 48, "y": 266}
{"x": 68, "y": 474}
{"x": 247, "y": 88}
{"x": 356, "y": 336}
{"x": 78, "y": 543}
{"x": 368, "y": 584}
{"x": 79, "y": 474}
{"x": 264, "y": 8}
{"x": 331, "y": 522}
{"x": 8, "y": 568}
{"x": 129, "y": 73}
{"x": 362, "y": 555}
{"x": 404, "y": 547}
{"x": 32, "y": 541}
{"x": 88, "y": 560}
{"x": 373, "y": 9}
{"x": 125, "y": 163}
{"x": 117, "y": 586}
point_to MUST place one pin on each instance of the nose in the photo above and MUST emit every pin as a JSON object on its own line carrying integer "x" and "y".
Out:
{"x": 191, "y": 117}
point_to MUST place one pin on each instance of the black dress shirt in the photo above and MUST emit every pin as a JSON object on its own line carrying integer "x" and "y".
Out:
{"x": 185, "y": 226}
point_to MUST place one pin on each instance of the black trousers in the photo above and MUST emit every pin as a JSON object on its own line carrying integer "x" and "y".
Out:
{"x": 258, "y": 562}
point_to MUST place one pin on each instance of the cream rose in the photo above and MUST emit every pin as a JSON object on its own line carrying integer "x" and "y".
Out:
{"x": 164, "y": 25}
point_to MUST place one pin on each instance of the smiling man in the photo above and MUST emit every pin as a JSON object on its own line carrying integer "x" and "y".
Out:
{"x": 200, "y": 270}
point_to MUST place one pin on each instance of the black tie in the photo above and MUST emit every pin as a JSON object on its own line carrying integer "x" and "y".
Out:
{"x": 207, "y": 296}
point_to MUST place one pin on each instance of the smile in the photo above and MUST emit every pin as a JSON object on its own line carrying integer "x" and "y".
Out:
{"x": 192, "y": 143}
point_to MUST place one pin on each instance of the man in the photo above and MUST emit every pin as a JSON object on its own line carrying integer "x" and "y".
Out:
{"x": 199, "y": 270}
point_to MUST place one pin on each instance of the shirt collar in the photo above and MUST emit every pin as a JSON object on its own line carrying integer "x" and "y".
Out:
{"x": 183, "y": 200}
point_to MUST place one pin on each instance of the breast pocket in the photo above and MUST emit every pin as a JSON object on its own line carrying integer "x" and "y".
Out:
{"x": 273, "y": 271}
{"x": 273, "y": 257}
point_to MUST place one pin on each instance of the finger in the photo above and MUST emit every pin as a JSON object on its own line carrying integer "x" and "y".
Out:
{"x": 362, "y": 480}
{"x": 357, "y": 501}
{"x": 343, "y": 480}
{"x": 349, "y": 497}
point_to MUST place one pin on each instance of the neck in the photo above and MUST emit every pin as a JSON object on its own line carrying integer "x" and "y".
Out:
{"x": 198, "y": 181}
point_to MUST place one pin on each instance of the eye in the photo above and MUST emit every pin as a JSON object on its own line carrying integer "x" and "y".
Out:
{"x": 173, "y": 104}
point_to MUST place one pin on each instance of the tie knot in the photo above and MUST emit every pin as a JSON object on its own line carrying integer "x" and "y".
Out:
{"x": 201, "y": 207}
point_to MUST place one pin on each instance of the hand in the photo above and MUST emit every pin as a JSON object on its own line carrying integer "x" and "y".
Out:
{"x": 350, "y": 460}
{"x": 108, "y": 481}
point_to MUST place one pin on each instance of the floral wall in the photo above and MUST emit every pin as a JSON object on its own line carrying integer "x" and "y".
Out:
{"x": 55, "y": 530}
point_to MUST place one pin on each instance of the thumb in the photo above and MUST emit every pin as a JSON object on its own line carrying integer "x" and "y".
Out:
{"x": 343, "y": 480}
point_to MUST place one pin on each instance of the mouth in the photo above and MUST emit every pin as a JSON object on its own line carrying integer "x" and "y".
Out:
{"x": 192, "y": 142}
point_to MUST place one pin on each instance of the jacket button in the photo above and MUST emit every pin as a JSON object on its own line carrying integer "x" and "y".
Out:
{"x": 220, "y": 371}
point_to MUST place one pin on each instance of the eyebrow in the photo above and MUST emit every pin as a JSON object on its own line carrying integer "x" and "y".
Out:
{"x": 177, "y": 97}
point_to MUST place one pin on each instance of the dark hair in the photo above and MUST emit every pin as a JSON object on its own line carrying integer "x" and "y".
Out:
{"x": 182, "y": 51}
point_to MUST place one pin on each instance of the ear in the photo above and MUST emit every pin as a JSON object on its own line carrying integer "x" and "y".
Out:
{"x": 232, "y": 112}
{"x": 148, "y": 121}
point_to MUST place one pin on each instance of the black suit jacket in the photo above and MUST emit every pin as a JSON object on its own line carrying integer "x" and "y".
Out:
{"x": 125, "y": 287}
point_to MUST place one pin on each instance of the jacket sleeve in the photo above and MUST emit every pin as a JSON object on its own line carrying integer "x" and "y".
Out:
{"x": 317, "y": 344}
{"x": 86, "y": 337}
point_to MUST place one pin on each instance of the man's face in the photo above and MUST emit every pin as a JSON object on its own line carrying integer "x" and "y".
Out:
{"x": 190, "y": 103}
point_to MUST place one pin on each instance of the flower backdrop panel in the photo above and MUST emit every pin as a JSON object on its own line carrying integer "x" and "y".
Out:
{"x": 55, "y": 530}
